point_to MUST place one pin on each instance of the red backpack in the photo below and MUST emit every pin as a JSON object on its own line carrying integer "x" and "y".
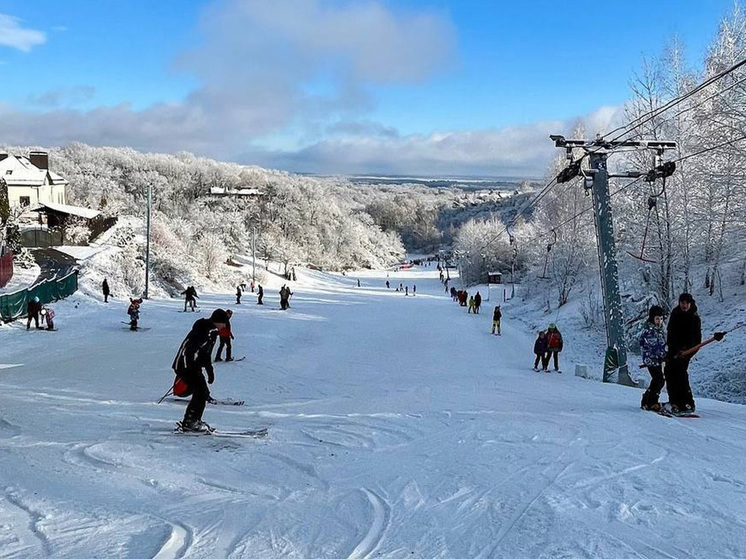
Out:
{"x": 181, "y": 388}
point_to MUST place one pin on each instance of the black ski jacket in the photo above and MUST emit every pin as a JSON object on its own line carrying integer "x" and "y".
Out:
{"x": 684, "y": 330}
{"x": 540, "y": 346}
{"x": 196, "y": 349}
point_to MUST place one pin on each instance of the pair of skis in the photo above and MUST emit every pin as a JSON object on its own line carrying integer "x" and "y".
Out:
{"x": 259, "y": 433}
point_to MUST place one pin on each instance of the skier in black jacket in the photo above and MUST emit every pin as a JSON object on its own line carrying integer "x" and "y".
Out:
{"x": 191, "y": 298}
{"x": 684, "y": 332}
{"x": 195, "y": 353}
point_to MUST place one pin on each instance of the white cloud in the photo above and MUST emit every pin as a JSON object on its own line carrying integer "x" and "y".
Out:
{"x": 262, "y": 67}
{"x": 510, "y": 151}
{"x": 14, "y": 36}
{"x": 266, "y": 67}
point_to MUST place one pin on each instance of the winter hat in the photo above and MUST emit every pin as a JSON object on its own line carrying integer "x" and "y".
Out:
{"x": 654, "y": 311}
{"x": 552, "y": 326}
{"x": 219, "y": 315}
{"x": 36, "y": 299}
{"x": 686, "y": 297}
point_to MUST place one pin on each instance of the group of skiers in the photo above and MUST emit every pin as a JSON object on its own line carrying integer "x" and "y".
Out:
{"x": 548, "y": 346}
{"x": 666, "y": 354}
{"x": 399, "y": 288}
{"x": 462, "y": 297}
{"x": 39, "y": 314}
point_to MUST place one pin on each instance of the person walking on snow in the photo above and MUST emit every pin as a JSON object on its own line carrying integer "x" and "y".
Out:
{"x": 388, "y": 285}
{"x": 471, "y": 305}
{"x": 540, "y": 350}
{"x": 105, "y": 288}
{"x": 32, "y": 310}
{"x": 195, "y": 354}
{"x": 477, "y": 302}
{"x": 496, "y": 318}
{"x": 260, "y": 295}
{"x": 653, "y": 345}
{"x": 406, "y": 290}
{"x": 414, "y": 290}
{"x": 226, "y": 335}
{"x": 191, "y": 298}
{"x": 554, "y": 345}
{"x": 684, "y": 332}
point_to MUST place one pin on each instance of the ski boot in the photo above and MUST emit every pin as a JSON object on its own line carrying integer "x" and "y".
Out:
{"x": 195, "y": 426}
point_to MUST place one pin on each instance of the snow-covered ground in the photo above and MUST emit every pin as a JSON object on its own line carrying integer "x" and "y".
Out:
{"x": 398, "y": 428}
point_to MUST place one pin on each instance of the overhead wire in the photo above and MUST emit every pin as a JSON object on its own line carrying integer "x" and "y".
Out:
{"x": 625, "y": 129}
{"x": 646, "y": 117}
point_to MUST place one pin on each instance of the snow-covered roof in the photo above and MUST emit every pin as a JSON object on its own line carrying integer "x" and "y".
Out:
{"x": 87, "y": 213}
{"x": 18, "y": 170}
{"x": 219, "y": 190}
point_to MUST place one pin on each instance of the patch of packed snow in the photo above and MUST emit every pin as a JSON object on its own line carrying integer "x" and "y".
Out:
{"x": 398, "y": 427}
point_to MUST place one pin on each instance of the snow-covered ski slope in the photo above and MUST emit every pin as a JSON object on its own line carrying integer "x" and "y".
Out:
{"x": 398, "y": 428}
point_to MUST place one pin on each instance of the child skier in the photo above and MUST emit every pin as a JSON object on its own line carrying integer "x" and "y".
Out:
{"x": 540, "y": 350}
{"x": 554, "y": 345}
{"x": 134, "y": 312}
{"x": 653, "y": 345}
{"x": 472, "y": 305}
{"x": 226, "y": 335}
{"x": 47, "y": 315}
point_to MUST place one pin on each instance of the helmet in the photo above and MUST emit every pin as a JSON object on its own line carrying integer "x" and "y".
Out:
{"x": 219, "y": 315}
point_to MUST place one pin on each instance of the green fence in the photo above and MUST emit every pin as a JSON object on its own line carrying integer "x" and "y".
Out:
{"x": 14, "y": 305}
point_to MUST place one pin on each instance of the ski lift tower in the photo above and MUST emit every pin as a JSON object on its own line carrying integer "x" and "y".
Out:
{"x": 597, "y": 180}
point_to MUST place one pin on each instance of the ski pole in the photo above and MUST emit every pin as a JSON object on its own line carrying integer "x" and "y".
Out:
{"x": 167, "y": 394}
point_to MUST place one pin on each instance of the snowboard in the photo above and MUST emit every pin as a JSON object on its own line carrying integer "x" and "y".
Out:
{"x": 138, "y": 329}
{"x": 260, "y": 433}
{"x": 667, "y": 413}
{"x": 666, "y": 410}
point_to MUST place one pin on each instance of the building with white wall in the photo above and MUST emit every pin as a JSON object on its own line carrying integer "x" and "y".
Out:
{"x": 29, "y": 180}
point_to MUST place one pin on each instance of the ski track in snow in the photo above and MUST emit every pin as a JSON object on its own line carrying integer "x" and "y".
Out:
{"x": 381, "y": 513}
{"x": 178, "y": 543}
{"x": 39, "y": 539}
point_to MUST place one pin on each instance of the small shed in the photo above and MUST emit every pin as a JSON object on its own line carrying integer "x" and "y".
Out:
{"x": 494, "y": 277}
{"x": 53, "y": 221}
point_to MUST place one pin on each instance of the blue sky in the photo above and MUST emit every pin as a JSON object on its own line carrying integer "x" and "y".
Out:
{"x": 333, "y": 86}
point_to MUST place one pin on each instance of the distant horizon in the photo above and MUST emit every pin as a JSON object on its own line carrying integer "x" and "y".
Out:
{"x": 424, "y": 176}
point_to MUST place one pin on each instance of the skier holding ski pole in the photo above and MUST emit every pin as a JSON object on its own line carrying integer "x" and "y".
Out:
{"x": 195, "y": 353}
